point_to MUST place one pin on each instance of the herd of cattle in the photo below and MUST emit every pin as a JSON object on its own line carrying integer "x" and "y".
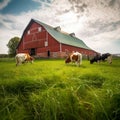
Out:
{"x": 74, "y": 57}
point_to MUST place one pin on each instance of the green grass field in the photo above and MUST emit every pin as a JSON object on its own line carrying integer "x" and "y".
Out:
{"x": 52, "y": 90}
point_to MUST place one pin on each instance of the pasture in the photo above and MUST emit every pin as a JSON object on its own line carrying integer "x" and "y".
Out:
{"x": 51, "y": 90}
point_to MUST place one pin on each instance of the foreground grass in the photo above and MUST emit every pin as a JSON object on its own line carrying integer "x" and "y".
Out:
{"x": 51, "y": 90}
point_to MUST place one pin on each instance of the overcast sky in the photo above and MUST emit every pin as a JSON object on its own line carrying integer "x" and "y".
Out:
{"x": 96, "y": 22}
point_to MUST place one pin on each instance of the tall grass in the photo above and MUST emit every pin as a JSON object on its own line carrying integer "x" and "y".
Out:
{"x": 52, "y": 90}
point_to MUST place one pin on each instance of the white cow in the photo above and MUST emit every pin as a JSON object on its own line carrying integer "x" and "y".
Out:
{"x": 22, "y": 58}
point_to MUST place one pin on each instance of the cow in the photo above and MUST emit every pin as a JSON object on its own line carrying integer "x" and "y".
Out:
{"x": 74, "y": 57}
{"x": 102, "y": 57}
{"x": 23, "y": 58}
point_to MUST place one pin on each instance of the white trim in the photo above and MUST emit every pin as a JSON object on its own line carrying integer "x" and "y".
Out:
{"x": 46, "y": 42}
{"x": 60, "y": 47}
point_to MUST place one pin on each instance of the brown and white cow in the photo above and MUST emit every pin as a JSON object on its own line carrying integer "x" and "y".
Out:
{"x": 74, "y": 57}
{"x": 22, "y": 58}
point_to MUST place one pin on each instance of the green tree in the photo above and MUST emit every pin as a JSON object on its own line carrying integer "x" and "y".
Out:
{"x": 12, "y": 44}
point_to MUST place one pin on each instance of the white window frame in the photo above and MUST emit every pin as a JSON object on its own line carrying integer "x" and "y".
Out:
{"x": 46, "y": 43}
{"x": 39, "y": 29}
{"x": 28, "y": 32}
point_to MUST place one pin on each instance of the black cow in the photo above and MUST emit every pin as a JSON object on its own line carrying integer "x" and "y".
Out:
{"x": 102, "y": 57}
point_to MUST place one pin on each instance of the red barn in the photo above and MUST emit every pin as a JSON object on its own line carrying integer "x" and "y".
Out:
{"x": 40, "y": 39}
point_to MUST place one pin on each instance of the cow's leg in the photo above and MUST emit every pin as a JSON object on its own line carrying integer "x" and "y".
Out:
{"x": 17, "y": 61}
{"x": 109, "y": 59}
{"x": 78, "y": 63}
{"x": 20, "y": 61}
{"x": 98, "y": 61}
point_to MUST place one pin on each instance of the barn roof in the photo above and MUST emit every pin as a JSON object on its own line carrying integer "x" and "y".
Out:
{"x": 63, "y": 37}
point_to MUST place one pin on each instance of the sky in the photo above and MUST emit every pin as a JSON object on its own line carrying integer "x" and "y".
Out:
{"x": 96, "y": 22}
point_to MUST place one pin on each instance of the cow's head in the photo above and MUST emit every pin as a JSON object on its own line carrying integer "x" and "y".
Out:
{"x": 91, "y": 61}
{"x": 31, "y": 59}
{"x": 68, "y": 60}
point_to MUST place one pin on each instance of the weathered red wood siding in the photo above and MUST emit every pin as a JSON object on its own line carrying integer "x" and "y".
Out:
{"x": 81, "y": 50}
{"x": 35, "y": 39}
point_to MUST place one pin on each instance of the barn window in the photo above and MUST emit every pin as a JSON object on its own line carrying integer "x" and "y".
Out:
{"x": 39, "y": 29}
{"x": 28, "y": 32}
{"x": 46, "y": 43}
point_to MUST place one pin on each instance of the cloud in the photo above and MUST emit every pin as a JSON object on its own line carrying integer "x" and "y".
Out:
{"x": 4, "y": 4}
{"x": 105, "y": 41}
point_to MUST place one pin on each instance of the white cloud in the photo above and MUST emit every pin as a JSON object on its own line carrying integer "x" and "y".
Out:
{"x": 105, "y": 42}
{"x": 4, "y": 4}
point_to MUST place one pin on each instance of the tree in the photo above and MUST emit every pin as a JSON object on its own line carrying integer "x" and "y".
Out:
{"x": 12, "y": 44}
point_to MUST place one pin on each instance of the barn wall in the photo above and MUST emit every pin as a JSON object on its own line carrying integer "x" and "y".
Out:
{"x": 53, "y": 47}
{"x": 81, "y": 50}
{"x": 35, "y": 38}
{"x": 21, "y": 50}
